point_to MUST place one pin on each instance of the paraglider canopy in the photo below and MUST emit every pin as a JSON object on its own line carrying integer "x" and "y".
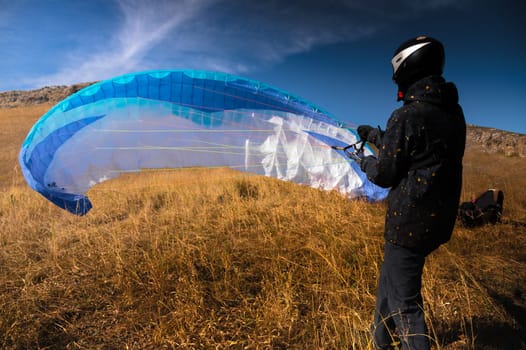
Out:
{"x": 174, "y": 119}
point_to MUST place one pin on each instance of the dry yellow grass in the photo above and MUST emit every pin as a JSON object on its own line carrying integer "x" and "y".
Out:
{"x": 216, "y": 259}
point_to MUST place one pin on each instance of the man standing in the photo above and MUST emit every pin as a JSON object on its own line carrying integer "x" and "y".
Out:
{"x": 420, "y": 159}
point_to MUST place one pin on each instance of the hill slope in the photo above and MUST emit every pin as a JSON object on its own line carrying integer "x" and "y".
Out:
{"x": 198, "y": 259}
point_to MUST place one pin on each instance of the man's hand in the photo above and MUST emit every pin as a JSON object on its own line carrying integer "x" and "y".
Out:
{"x": 364, "y": 163}
{"x": 364, "y": 131}
{"x": 369, "y": 134}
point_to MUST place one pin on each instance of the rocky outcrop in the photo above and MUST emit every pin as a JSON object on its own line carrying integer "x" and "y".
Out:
{"x": 496, "y": 141}
{"x": 49, "y": 94}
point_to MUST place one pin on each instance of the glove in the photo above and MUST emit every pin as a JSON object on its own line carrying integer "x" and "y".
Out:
{"x": 369, "y": 134}
{"x": 365, "y": 163}
{"x": 364, "y": 131}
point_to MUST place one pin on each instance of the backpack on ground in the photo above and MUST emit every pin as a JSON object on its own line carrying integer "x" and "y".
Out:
{"x": 485, "y": 209}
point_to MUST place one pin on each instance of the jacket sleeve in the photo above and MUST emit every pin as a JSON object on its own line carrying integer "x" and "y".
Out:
{"x": 392, "y": 162}
{"x": 376, "y": 136}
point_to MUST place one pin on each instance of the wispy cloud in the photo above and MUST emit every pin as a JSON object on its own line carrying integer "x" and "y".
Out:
{"x": 144, "y": 26}
{"x": 229, "y": 35}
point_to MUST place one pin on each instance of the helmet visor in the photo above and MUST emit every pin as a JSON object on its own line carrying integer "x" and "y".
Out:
{"x": 400, "y": 57}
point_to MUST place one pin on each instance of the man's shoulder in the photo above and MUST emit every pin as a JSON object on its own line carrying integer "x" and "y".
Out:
{"x": 406, "y": 113}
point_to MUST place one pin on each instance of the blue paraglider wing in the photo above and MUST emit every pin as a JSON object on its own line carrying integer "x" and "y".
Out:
{"x": 172, "y": 119}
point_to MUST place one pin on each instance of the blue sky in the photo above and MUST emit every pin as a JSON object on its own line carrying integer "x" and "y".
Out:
{"x": 334, "y": 53}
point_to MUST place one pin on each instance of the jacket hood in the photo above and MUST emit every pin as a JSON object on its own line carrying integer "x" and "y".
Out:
{"x": 432, "y": 89}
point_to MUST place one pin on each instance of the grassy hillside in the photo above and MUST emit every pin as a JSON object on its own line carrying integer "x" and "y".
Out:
{"x": 216, "y": 259}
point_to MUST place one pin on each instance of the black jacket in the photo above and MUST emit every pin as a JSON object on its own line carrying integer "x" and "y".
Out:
{"x": 420, "y": 159}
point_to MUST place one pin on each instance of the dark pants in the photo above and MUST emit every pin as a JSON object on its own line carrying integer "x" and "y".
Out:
{"x": 399, "y": 311}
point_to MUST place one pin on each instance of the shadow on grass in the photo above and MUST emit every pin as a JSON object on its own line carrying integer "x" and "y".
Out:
{"x": 492, "y": 335}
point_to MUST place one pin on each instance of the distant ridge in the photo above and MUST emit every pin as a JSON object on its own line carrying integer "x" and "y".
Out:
{"x": 488, "y": 140}
{"x": 492, "y": 140}
{"x": 48, "y": 94}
